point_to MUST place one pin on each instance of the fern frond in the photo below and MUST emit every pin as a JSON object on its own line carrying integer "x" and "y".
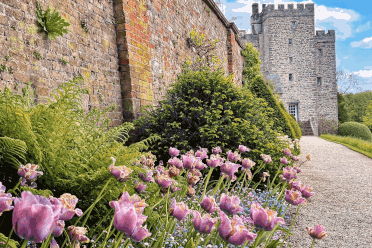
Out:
{"x": 13, "y": 151}
{"x": 144, "y": 144}
{"x": 12, "y": 243}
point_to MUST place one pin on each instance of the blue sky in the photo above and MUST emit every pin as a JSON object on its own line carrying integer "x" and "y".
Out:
{"x": 352, "y": 21}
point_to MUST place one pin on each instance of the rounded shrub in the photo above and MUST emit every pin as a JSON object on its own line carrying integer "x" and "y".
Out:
{"x": 205, "y": 109}
{"x": 355, "y": 129}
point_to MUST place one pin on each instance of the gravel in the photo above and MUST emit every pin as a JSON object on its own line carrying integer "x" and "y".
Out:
{"x": 342, "y": 181}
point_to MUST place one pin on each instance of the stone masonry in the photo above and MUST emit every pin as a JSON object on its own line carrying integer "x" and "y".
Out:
{"x": 287, "y": 44}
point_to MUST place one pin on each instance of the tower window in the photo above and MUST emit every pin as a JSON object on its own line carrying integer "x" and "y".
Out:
{"x": 290, "y": 41}
{"x": 319, "y": 81}
{"x": 293, "y": 24}
{"x": 320, "y": 52}
{"x": 290, "y": 59}
{"x": 290, "y": 77}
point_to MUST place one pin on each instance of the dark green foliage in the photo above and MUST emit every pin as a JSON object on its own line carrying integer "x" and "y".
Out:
{"x": 342, "y": 112}
{"x": 356, "y": 105}
{"x": 204, "y": 109}
{"x": 367, "y": 118}
{"x": 51, "y": 22}
{"x": 294, "y": 124}
{"x": 282, "y": 124}
{"x": 12, "y": 243}
{"x": 37, "y": 55}
{"x": 355, "y": 129}
{"x": 252, "y": 63}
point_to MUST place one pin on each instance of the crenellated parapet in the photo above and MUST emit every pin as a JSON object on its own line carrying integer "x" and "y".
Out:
{"x": 321, "y": 36}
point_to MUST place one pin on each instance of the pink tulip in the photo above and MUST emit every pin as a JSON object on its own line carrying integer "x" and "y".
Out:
{"x": 34, "y": 216}
{"x": 148, "y": 177}
{"x": 58, "y": 228}
{"x": 164, "y": 181}
{"x": 247, "y": 163}
{"x": 53, "y": 243}
{"x": 159, "y": 170}
{"x": 135, "y": 200}
{"x": 264, "y": 175}
{"x": 266, "y": 158}
{"x": 200, "y": 165}
{"x": 243, "y": 148}
{"x": 140, "y": 188}
{"x": 28, "y": 173}
{"x": 295, "y": 158}
{"x": 6, "y": 200}
{"x": 188, "y": 161}
{"x": 120, "y": 172}
{"x": 229, "y": 169}
{"x": 214, "y": 161}
{"x": 179, "y": 210}
{"x": 307, "y": 191}
{"x": 203, "y": 224}
{"x": 192, "y": 179}
{"x": 201, "y": 153}
{"x": 173, "y": 152}
{"x": 216, "y": 150}
{"x": 288, "y": 174}
{"x": 284, "y": 161}
{"x": 175, "y": 162}
{"x": 234, "y": 157}
{"x": 68, "y": 208}
{"x": 209, "y": 204}
{"x": 231, "y": 205}
{"x": 264, "y": 219}
{"x": 234, "y": 231}
{"x": 287, "y": 151}
{"x": 294, "y": 197}
{"x": 318, "y": 232}
{"x": 174, "y": 188}
{"x": 296, "y": 169}
{"x": 140, "y": 234}
{"x": 295, "y": 185}
{"x": 77, "y": 235}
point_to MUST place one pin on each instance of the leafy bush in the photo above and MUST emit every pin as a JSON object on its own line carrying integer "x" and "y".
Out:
{"x": 355, "y": 129}
{"x": 205, "y": 109}
{"x": 342, "y": 112}
{"x": 72, "y": 150}
{"x": 367, "y": 119}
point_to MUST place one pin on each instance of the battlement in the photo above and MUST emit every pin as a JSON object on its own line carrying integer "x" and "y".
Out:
{"x": 321, "y": 36}
{"x": 271, "y": 10}
{"x": 321, "y": 33}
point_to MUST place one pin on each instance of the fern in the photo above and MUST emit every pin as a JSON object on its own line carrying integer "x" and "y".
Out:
{"x": 12, "y": 243}
{"x": 51, "y": 23}
{"x": 12, "y": 151}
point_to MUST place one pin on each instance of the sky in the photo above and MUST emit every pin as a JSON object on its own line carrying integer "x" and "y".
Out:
{"x": 352, "y": 21}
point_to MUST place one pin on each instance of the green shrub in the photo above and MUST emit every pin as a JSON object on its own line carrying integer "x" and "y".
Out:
{"x": 342, "y": 112}
{"x": 294, "y": 124}
{"x": 355, "y": 129}
{"x": 205, "y": 109}
{"x": 367, "y": 118}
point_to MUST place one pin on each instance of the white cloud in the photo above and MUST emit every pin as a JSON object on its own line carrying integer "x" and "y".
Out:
{"x": 365, "y": 43}
{"x": 363, "y": 27}
{"x": 364, "y": 73}
{"x": 346, "y": 57}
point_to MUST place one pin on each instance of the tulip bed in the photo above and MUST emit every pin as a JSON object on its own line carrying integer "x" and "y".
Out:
{"x": 193, "y": 211}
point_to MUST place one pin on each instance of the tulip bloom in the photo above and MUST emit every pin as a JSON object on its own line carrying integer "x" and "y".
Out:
{"x": 173, "y": 172}
{"x": 288, "y": 174}
{"x": 309, "y": 157}
{"x": 191, "y": 190}
{"x": 209, "y": 204}
{"x": 234, "y": 157}
{"x": 247, "y": 164}
{"x": 28, "y": 173}
{"x": 229, "y": 169}
{"x": 34, "y": 216}
{"x": 140, "y": 188}
{"x": 243, "y": 149}
{"x": 295, "y": 185}
{"x": 287, "y": 151}
{"x": 318, "y": 232}
{"x": 294, "y": 197}
{"x": 264, "y": 175}
{"x": 148, "y": 177}
{"x": 296, "y": 169}
{"x": 135, "y": 200}
{"x": 264, "y": 219}
{"x": 266, "y": 158}
{"x": 188, "y": 161}
{"x": 174, "y": 152}
{"x": 164, "y": 181}
{"x": 77, "y": 235}
{"x": 175, "y": 162}
{"x": 231, "y": 205}
{"x": 203, "y": 224}
{"x": 295, "y": 158}
{"x": 200, "y": 165}
{"x": 192, "y": 179}
{"x": 68, "y": 208}
{"x": 202, "y": 153}
{"x": 216, "y": 150}
{"x": 214, "y": 161}
{"x": 6, "y": 200}
{"x": 178, "y": 210}
{"x": 234, "y": 231}
{"x": 120, "y": 172}
{"x": 284, "y": 161}
{"x": 307, "y": 191}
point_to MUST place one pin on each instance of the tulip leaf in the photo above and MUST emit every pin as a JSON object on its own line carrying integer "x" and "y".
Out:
{"x": 273, "y": 244}
{"x": 12, "y": 243}
{"x": 263, "y": 237}
{"x": 190, "y": 244}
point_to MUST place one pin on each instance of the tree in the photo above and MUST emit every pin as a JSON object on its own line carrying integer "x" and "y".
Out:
{"x": 342, "y": 112}
{"x": 347, "y": 81}
{"x": 367, "y": 119}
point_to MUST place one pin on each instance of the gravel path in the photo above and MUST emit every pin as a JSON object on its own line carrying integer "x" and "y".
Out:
{"x": 342, "y": 181}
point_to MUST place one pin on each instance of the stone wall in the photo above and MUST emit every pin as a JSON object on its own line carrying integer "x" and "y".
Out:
{"x": 152, "y": 38}
{"x": 92, "y": 54}
{"x": 133, "y": 50}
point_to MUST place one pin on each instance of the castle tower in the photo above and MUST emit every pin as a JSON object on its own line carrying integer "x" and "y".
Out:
{"x": 300, "y": 64}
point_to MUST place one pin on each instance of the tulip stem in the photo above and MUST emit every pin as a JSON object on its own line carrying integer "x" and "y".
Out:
{"x": 312, "y": 245}
{"x": 206, "y": 183}
{"x": 218, "y": 185}
{"x": 290, "y": 228}
{"x": 242, "y": 183}
{"x": 281, "y": 192}
{"x": 11, "y": 232}
{"x": 259, "y": 234}
{"x": 14, "y": 189}
{"x": 119, "y": 242}
{"x": 24, "y": 243}
{"x": 243, "y": 172}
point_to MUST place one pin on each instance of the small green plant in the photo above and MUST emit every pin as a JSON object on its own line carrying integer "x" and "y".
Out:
{"x": 7, "y": 57}
{"x": 37, "y": 55}
{"x": 3, "y": 68}
{"x": 51, "y": 23}
{"x": 10, "y": 70}
{"x": 208, "y": 10}
{"x": 14, "y": 27}
{"x": 64, "y": 61}
{"x": 84, "y": 25}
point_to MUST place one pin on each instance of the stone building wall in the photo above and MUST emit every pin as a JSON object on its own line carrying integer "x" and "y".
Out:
{"x": 271, "y": 31}
{"x": 92, "y": 54}
{"x": 153, "y": 45}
